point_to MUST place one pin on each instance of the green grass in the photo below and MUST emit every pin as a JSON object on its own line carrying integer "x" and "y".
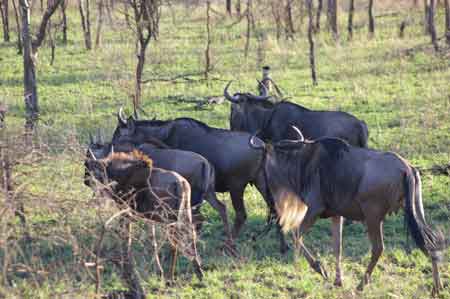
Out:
{"x": 403, "y": 95}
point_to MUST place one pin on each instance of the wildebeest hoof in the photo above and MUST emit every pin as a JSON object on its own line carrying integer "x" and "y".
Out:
{"x": 435, "y": 292}
{"x": 317, "y": 266}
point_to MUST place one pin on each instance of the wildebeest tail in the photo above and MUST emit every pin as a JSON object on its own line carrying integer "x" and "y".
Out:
{"x": 430, "y": 242}
{"x": 363, "y": 135}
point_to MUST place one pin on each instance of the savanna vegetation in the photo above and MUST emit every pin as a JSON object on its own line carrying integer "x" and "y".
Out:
{"x": 57, "y": 240}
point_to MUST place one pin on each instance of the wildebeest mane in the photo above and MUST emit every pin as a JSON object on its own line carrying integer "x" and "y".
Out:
{"x": 135, "y": 155}
{"x": 304, "y": 165}
{"x": 264, "y": 103}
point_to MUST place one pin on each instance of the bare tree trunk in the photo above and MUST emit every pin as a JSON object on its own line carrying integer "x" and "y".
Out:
{"x": 51, "y": 42}
{"x": 351, "y": 11}
{"x": 228, "y": 6}
{"x": 425, "y": 22}
{"x": 332, "y": 18}
{"x": 371, "y": 20}
{"x": 238, "y": 8}
{"x": 249, "y": 27}
{"x": 447, "y": 21}
{"x": 29, "y": 80}
{"x": 100, "y": 9}
{"x": 208, "y": 40}
{"x": 311, "y": 42}
{"x": 319, "y": 14}
{"x": 431, "y": 25}
{"x": 85, "y": 23}
{"x": 277, "y": 17}
{"x": 64, "y": 21}
{"x": 290, "y": 30}
{"x": 4, "y": 10}
{"x": 19, "y": 29}
{"x": 51, "y": 8}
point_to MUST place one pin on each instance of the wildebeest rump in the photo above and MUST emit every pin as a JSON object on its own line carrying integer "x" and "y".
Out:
{"x": 235, "y": 162}
{"x": 255, "y": 114}
{"x": 329, "y": 177}
{"x": 156, "y": 194}
{"x": 193, "y": 167}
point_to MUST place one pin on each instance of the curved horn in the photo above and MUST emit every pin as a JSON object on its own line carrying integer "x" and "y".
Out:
{"x": 254, "y": 145}
{"x": 300, "y": 134}
{"x": 229, "y": 97}
{"x": 265, "y": 92}
{"x": 121, "y": 116}
{"x": 92, "y": 154}
{"x": 112, "y": 149}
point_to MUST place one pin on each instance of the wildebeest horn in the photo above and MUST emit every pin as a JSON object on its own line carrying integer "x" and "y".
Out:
{"x": 253, "y": 143}
{"x": 229, "y": 97}
{"x": 92, "y": 154}
{"x": 121, "y": 116}
{"x": 264, "y": 88}
{"x": 112, "y": 149}
{"x": 300, "y": 135}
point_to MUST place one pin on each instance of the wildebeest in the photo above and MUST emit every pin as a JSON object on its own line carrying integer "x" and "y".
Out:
{"x": 255, "y": 114}
{"x": 328, "y": 177}
{"x": 153, "y": 193}
{"x": 272, "y": 122}
{"x": 235, "y": 162}
{"x": 193, "y": 167}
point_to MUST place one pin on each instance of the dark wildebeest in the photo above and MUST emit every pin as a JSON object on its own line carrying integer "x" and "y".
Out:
{"x": 328, "y": 177}
{"x": 153, "y": 193}
{"x": 272, "y": 122}
{"x": 255, "y": 114}
{"x": 235, "y": 162}
{"x": 193, "y": 167}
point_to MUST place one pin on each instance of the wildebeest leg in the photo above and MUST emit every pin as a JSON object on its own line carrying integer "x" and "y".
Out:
{"x": 308, "y": 221}
{"x": 155, "y": 250}
{"x": 375, "y": 232}
{"x": 336, "y": 228}
{"x": 263, "y": 189}
{"x": 173, "y": 262}
{"x": 222, "y": 209}
{"x": 239, "y": 207}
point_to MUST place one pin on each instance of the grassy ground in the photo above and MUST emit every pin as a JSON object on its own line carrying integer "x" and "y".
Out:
{"x": 398, "y": 86}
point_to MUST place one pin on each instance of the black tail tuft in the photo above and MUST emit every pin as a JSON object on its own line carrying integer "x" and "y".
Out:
{"x": 432, "y": 243}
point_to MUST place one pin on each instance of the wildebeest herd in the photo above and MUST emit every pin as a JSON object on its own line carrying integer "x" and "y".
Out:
{"x": 306, "y": 164}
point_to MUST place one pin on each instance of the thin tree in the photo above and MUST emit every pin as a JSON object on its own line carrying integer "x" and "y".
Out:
{"x": 318, "y": 14}
{"x": 5, "y": 20}
{"x": 19, "y": 30}
{"x": 447, "y": 21}
{"x": 64, "y": 22}
{"x": 30, "y": 48}
{"x": 100, "y": 9}
{"x": 351, "y": 10}
{"x": 312, "y": 62}
{"x": 228, "y": 6}
{"x": 371, "y": 19}
{"x": 238, "y": 8}
{"x": 208, "y": 40}
{"x": 332, "y": 18}
{"x": 289, "y": 20}
{"x": 146, "y": 19}
{"x": 85, "y": 22}
{"x": 431, "y": 25}
{"x": 249, "y": 27}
